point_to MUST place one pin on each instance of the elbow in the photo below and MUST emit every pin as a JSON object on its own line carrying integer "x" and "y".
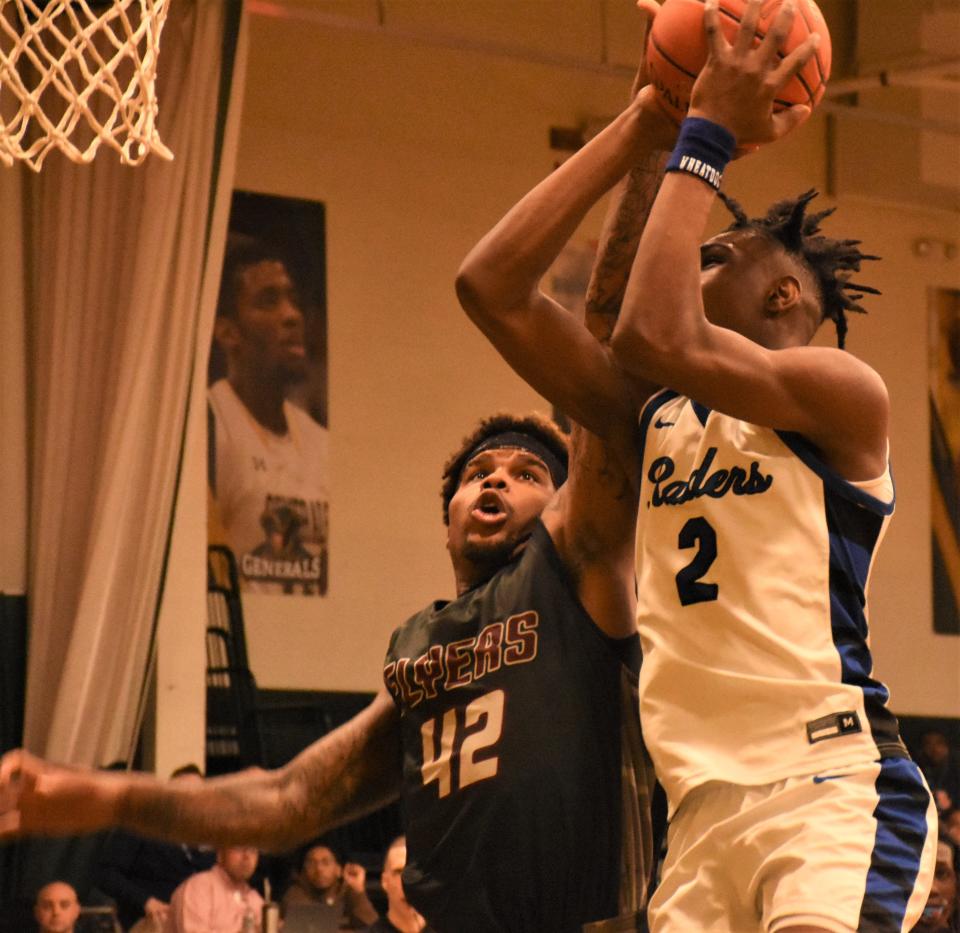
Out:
{"x": 652, "y": 350}
{"x": 488, "y": 294}
{"x": 477, "y": 288}
{"x": 470, "y": 291}
{"x": 633, "y": 350}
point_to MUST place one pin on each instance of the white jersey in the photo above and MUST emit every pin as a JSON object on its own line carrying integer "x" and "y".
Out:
{"x": 753, "y": 559}
{"x": 272, "y": 495}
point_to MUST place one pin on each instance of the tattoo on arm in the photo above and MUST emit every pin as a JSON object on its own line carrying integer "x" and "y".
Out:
{"x": 602, "y": 506}
{"x": 632, "y": 200}
{"x": 363, "y": 773}
{"x": 348, "y": 773}
{"x": 598, "y": 462}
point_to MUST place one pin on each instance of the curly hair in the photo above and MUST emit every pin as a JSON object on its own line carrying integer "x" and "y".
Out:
{"x": 831, "y": 262}
{"x": 533, "y": 424}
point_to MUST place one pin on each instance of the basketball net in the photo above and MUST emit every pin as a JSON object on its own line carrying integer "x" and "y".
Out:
{"x": 75, "y": 74}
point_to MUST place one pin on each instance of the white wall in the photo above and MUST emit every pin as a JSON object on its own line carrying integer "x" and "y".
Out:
{"x": 921, "y": 668}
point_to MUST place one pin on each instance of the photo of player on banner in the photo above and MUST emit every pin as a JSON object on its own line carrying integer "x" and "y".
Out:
{"x": 268, "y": 438}
{"x": 945, "y": 454}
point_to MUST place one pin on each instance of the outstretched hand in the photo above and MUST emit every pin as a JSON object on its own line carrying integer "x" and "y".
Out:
{"x": 738, "y": 84}
{"x": 37, "y": 797}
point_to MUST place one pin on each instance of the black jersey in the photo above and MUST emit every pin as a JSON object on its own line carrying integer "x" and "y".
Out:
{"x": 524, "y": 788}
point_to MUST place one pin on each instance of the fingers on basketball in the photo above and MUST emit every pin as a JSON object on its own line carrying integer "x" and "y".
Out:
{"x": 747, "y": 32}
{"x": 685, "y": 31}
{"x": 778, "y": 34}
{"x": 785, "y": 121}
{"x": 808, "y": 38}
{"x": 794, "y": 63}
{"x": 711, "y": 27}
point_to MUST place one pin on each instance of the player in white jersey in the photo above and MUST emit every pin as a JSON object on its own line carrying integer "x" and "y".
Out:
{"x": 765, "y": 492}
{"x": 268, "y": 457}
{"x": 795, "y": 808}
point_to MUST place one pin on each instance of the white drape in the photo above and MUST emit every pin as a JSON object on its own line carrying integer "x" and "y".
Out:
{"x": 116, "y": 260}
{"x": 13, "y": 406}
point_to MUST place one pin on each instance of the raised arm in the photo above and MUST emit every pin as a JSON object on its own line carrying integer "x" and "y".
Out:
{"x": 352, "y": 771}
{"x": 499, "y": 281}
{"x": 593, "y": 519}
{"x": 748, "y": 365}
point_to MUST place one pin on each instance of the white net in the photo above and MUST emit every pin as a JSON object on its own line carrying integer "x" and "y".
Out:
{"x": 75, "y": 75}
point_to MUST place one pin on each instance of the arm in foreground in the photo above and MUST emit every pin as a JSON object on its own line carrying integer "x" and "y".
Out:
{"x": 499, "y": 281}
{"x": 346, "y": 774}
{"x": 593, "y": 520}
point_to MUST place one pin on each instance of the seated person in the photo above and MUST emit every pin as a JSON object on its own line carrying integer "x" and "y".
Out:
{"x": 324, "y": 879}
{"x": 218, "y": 900}
{"x": 56, "y": 908}
{"x": 141, "y": 874}
{"x": 940, "y": 767}
{"x": 942, "y": 912}
{"x": 401, "y": 916}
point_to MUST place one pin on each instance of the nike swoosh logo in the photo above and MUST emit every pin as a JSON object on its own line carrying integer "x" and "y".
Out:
{"x": 830, "y": 777}
{"x": 663, "y": 424}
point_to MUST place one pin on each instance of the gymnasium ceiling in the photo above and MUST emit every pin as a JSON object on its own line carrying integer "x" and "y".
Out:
{"x": 895, "y": 88}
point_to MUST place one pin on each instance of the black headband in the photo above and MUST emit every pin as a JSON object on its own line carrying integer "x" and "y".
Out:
{"x": 520, "y": 441}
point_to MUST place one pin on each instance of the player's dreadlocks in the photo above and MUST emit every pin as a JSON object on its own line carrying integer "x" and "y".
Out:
{"x": 553, "y": 440}
{"x": 831, "y": 261}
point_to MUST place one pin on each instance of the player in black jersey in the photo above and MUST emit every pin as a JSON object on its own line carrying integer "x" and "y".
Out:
{"x": 509, "y": 714}
{"x": 522, "y": 758}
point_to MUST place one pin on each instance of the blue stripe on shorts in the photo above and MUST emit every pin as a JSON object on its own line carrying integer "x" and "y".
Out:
{"x": 901, "y": 815}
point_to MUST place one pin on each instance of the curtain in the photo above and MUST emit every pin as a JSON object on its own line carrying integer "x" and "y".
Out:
{"x": 13, "y": 469}
{"x": 13, "y": 493}
{"x": 116, "y": 259}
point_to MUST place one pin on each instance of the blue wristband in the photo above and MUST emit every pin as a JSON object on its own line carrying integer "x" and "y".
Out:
{"x": 703, "y": 149}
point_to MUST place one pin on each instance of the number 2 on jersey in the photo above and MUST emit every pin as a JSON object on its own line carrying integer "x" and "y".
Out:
{"x": 462, "y": 746}
{"x": 699, "y": 533}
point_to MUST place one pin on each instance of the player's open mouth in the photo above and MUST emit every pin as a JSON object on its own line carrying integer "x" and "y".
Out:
{"x": 489, "y": 508}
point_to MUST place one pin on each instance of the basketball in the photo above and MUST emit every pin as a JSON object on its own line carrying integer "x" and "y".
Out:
{"x": 677, "y": 50}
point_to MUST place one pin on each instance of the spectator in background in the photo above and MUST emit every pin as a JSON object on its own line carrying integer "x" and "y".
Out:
{"x": 325, "y": 879}
{"x": 268, "y": 464}
{"x": 218, "y": 900}
{"x": 942, "y": 913}
{"x": 56, "y": 908}
{"x": 940, "y": 768}
{"x": 141, "y": 874}
{"x": 401, "y": 916}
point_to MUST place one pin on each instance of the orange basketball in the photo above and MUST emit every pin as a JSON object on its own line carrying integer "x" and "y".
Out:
{"x": 677, "y": 50}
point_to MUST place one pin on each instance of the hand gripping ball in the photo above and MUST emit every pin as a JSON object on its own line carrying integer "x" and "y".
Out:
{"x": 677, "y": 50}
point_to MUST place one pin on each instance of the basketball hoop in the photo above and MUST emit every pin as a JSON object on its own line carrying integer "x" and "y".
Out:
{"x": 72, "y": 78}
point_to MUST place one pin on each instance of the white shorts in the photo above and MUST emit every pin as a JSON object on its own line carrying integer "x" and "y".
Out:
{"x": 847, "y": 850}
